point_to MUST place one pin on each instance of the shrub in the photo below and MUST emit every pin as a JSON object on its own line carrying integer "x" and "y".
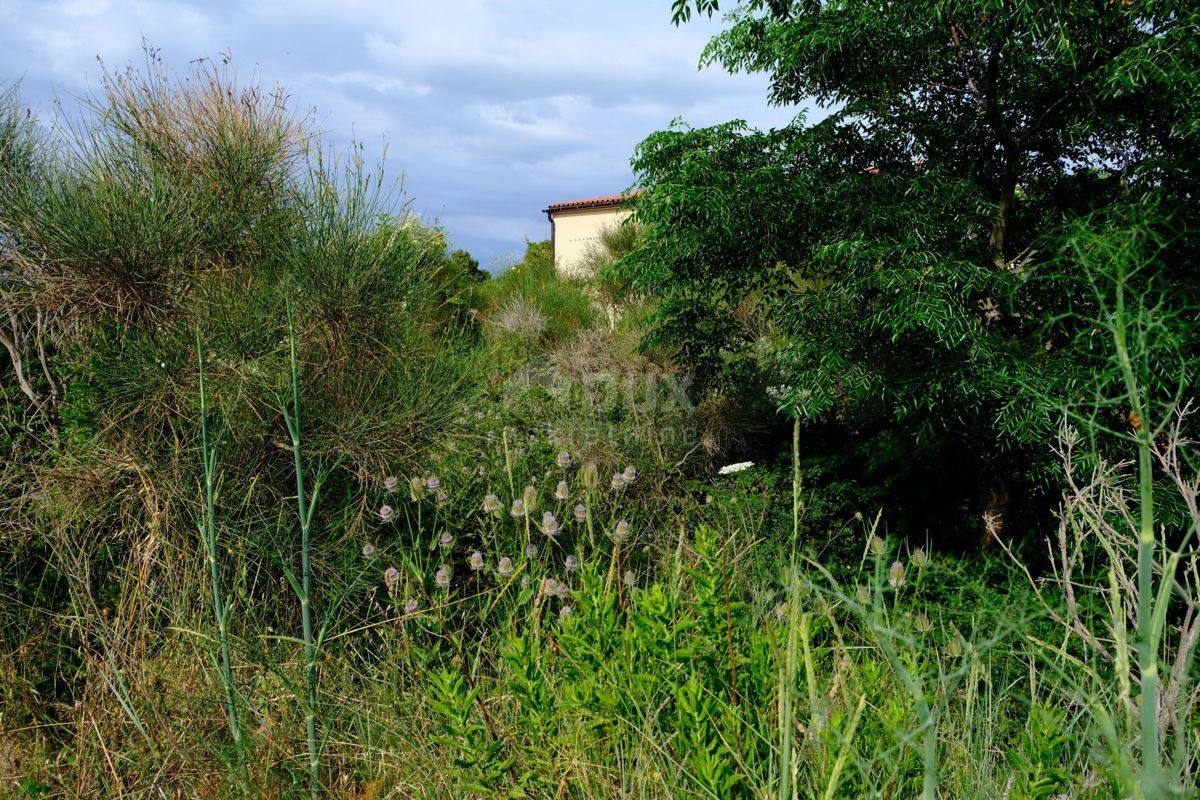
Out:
{"x": 186, "y": 206}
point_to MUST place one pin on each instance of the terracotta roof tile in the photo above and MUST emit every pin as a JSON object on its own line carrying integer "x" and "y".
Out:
{"x": 593, "y": 202}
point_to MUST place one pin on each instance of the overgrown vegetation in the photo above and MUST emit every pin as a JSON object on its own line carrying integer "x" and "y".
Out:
{"x": 904, "y": 265}
{"x": 295, "y": 501}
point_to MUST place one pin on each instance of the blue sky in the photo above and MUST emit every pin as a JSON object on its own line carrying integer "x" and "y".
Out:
{"x": 490, "y": 109}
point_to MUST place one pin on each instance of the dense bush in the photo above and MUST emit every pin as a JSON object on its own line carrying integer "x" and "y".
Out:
{"x": 186, "y": 209}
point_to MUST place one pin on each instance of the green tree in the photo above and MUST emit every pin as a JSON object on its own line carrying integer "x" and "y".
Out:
{"x": 900, "y": 265}
{"x": 465, "y": 263}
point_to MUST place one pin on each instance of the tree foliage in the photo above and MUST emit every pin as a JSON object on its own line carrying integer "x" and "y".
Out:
{"x": 904, "y": 261}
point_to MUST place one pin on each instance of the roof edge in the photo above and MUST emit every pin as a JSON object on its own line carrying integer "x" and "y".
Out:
{"x": 592, "y": 202}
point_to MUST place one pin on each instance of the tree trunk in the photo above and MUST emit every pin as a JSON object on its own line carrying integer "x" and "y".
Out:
{"x": 1008, "y": 189}
{"x": 1012, "y": 153}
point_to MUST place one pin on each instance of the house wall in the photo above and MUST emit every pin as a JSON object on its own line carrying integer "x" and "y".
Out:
{"x": 575, "y": 230}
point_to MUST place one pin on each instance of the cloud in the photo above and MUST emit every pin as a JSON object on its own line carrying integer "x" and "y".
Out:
{"x": 375, "y": 82}
{"x": 491, "y": 109}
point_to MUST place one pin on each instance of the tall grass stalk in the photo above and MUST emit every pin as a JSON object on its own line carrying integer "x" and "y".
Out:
{"x": 787, "y": 675}
{"x": 208, "y": 532}
{"x": 786, "y": 691}
{"x": 796, "y": 501}
{"x": 305, "y": 512}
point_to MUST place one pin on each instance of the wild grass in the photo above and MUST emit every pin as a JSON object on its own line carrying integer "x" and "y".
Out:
{"x": 531, "y": 302}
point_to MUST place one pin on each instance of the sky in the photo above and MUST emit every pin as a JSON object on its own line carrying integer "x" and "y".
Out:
{"x": 488, "y": 110}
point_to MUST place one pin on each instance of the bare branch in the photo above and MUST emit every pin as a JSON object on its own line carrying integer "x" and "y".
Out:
{"x": 12, "y": 343}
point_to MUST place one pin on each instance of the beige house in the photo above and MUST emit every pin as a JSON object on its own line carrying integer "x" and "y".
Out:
{"x": 575, "y": 226}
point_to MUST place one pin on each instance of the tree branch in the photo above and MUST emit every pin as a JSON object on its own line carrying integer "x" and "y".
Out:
{"x": 1012, "y": 152}
{"x": 40, "y": 338}
{"x": 971, "y": 86}
{"x": 989, "y": 101}
{"x": 12, "y": 345}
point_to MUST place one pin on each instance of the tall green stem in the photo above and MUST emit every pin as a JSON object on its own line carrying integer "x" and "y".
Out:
{"x": 787, "y": 688}
{"x": 310, "y": 648}
{"x": 1147, "y": 646}
{"x": 925, "y": 718}
{"x": 209, "y": 534}
{"x": 795, "y": 484}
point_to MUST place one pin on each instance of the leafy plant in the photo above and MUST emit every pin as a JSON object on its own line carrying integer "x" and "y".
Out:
{"x": 1039, "y": 754}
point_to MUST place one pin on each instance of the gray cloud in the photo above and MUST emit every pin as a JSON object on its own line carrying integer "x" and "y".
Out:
{"x": 491, "y": 110}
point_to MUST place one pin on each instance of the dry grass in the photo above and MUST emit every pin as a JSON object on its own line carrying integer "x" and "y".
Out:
{"x": 178, "y": 178}
{"x": 520, "y": 318}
